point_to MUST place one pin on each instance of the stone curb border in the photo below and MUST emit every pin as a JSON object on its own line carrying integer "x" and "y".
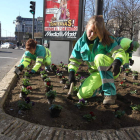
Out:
{"x": 12, "y": 128}
{"x": 6, "y": 84}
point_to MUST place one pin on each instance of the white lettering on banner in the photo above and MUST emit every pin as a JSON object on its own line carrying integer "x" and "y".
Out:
{"x": 66, "y": 34}
{"x": 61, "y": 28}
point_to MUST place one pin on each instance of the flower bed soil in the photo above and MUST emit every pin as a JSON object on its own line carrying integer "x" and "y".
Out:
{"x": 71, "y": 117}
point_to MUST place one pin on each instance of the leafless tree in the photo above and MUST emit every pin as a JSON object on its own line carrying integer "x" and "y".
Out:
{"x": 126, "y": 14}
{"x": 121, "y": 16}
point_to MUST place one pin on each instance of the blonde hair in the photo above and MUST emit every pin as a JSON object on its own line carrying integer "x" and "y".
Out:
{"x": 101, "y": 31}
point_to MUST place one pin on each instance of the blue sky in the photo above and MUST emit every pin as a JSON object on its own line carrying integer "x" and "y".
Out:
{"x": 10, "y": 9}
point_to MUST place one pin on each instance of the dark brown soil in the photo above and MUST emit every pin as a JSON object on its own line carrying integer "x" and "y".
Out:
{"x": 71, "y": 117}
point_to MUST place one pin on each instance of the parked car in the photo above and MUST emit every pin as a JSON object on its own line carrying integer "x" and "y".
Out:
{"x": 8, "y": 45}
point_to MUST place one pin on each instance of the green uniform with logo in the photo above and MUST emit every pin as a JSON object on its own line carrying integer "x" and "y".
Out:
{"x": 98, "y": 58}
{"x": 42, "y": 56}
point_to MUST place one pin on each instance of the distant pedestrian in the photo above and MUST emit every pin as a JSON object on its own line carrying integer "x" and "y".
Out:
{"x": 23, "y": 45}
{"x": 18, "y": 44}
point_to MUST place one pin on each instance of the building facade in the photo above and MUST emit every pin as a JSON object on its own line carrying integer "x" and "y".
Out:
{"x": 23, "y": 26}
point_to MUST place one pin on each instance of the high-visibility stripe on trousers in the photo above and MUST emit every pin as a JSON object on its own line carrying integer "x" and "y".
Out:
{"x": 101, "y": 78}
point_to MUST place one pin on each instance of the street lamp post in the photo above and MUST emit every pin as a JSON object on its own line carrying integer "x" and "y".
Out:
{"x": 24, "y": 32}
{"x": 98, "y": 7}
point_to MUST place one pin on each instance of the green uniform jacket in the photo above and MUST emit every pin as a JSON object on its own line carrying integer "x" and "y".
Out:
{"x": 125, "y": 44}
{"x": 81, "y": 52}
{"x": 40, "y": 55}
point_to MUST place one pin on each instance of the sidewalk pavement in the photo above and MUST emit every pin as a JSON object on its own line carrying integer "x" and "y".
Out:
{"x": 19, "y": 48}
{"x": 12, "y": 128}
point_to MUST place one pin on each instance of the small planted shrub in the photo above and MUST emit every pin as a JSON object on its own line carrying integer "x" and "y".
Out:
{"x": 27, "y": 74}
{"x": 55, "y": 110}
{"x": 82, "y": 79}
{"x": 135, "y": 76}
{"x": 25, "y": 105}
{"x": 47, "y": 80}
{"x": 127, "y": 71}
{"x": 119, "y": 113}
{"x": 135, "y": 107}
{"x": 134, "y": 72}
{"x": 59, "y": 75}
{"x": 81, "y": 103}
{"x": 24, "y": 92}
{"x": 75, "y": 89}
{"x": 48, "y": 87}
{"x": 67, "y": 85}
{"x": 29, "y": 88}
{"x": 25, "y": 82}
{"x": 53, "y": 67}
{"x": 50, "y": 96}
{"x": 44, "y": 76}
{"x": 61, "y": 64}
{"x": 77, "y": 76}
{"x": 133, "y": 91}
{"x": 89, "y": 117}
{"x": 123, "y": 84}
{"x": 42, "y": 72}
{"x": 64, "y": 79}
{"x": 65, "y": 67}
{"x": 135, "y": 83}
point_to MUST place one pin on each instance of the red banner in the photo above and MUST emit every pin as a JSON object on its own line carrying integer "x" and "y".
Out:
{"x": 61, "y": 18}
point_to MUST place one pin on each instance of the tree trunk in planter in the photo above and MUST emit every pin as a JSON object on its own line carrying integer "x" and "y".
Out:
{"x": 135, "y": 77}
{"x": 55, "y": 112}
{"x": 50, "y": 100}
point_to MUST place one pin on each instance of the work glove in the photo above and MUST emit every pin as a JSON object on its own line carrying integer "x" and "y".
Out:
{"x": 131, "y": 62}
{"x": 115, "y": 66}
{"x": 72, "y": 76}
{"x": 18, "y": 70}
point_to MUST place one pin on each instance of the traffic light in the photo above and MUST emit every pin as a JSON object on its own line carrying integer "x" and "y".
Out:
{"x": 32, "y": 7}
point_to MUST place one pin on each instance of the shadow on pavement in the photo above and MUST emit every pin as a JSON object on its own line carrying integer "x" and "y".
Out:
{"x": 4, "y": 52}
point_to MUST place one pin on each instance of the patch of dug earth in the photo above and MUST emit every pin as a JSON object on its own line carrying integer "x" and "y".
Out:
{"x": 71, "y": 117}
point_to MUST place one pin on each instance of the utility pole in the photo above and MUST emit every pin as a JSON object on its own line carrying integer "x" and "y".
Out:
{"x": 98, "y": 7}
{"x": 33, "y": 12}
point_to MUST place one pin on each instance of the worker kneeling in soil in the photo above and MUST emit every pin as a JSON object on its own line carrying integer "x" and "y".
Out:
{"x": 35, "y": 52}
{"x": 129, "y": 47}
{"x": 104, "y": 57}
